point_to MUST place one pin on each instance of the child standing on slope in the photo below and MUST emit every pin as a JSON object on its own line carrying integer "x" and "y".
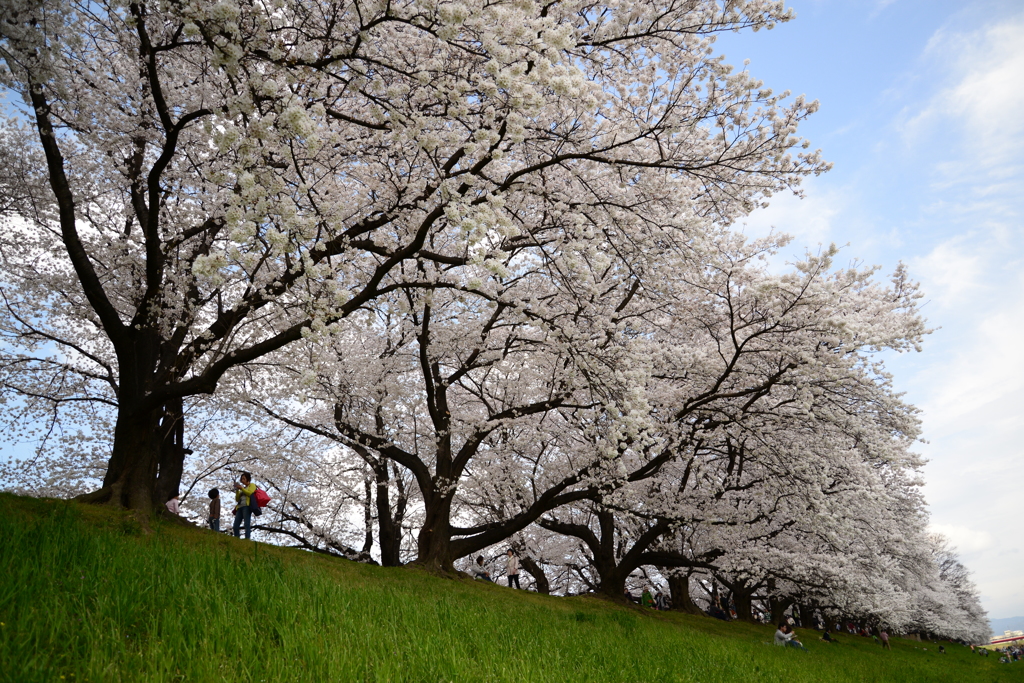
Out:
{"x": 214, "y": 518}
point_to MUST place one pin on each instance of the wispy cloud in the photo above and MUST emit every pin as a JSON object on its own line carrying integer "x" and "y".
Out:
{"x": 809, "y": 220}
{"x": 879, "y": 7}
{"x": 982, "y": 98}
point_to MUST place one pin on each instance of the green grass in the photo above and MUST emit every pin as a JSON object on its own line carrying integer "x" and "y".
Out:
{"x": 87, "y": 595}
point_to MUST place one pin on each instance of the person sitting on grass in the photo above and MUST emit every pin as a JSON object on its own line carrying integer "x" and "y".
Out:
{"x": 827, "y": 637}
{"x": 784, "y": 636}
{"x": 717, "y": 612}
{"x": 479, "y": 571}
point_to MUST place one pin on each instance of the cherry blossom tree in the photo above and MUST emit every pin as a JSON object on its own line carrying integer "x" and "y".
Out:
{"x": 221, "y": 178}
{"x": 758, "y": 388}
{"x": 452, "y": 387}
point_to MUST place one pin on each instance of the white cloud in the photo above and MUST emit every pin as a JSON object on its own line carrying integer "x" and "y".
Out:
{"x": 970, "y": 392}
{"x": 986, "y": 309}
{"x": 949, "y": 273}
{"x": 965, "y": 539}
{"x": 983, "y": 97}
{"x": 880, "y": 5}
{"x": 809, "y": 220}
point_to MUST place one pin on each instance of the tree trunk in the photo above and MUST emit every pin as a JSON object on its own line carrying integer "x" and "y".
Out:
{"x": 368, "y": 487}
{"x": 679, "y": 587}
{"x": 172, "y": 451}
{"x": 433, "y": 546}
{"x": 537, "y": 573}
{"x": 613, "y": 580}
{"x": 390, "y": 530}
{"x": 779, "y": 607}
{"x": 741, "y": 595}
{"x": 776, "y": 606}
{"x": 131, "y": 476}
{"x": 145, "y": 467}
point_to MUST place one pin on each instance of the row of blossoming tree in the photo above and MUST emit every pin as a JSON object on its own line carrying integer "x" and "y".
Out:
{"x": 451, "y": 276}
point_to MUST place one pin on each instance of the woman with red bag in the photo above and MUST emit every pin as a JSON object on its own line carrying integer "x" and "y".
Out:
{"x": 243, "y": 502}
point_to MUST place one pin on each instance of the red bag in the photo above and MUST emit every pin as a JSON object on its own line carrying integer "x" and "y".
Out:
{"x": 261, "y": 498}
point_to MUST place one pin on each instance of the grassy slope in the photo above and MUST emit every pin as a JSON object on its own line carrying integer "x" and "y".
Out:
{"x": 86, "y": 595}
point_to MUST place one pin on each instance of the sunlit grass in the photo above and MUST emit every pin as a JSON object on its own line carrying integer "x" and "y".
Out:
{"x": 86, "y": 594}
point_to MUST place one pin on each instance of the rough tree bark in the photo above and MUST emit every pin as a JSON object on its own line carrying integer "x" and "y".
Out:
{"x": 679, "y": 588}
{"x": 389, "y": 523}
{"x": 537, "y": 572}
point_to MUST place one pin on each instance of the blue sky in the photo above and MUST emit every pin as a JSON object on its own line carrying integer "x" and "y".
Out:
{"x": 922, "y": 113}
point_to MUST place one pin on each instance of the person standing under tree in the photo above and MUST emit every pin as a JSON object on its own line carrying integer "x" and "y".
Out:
{"x": 214, "y": 518}
{"x": 512, "y": 569}
{"x": 884, "y": 637}
{"x": 243, "y": 501}
{"x": 172, "y": 505}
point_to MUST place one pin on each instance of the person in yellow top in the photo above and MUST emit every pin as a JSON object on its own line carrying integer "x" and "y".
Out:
{"x": 243, "y": 501}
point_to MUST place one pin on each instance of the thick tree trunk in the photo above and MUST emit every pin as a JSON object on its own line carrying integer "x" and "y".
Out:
{"x": 172, "y": 451}
{"x": 741, "y": 595}
{"x": 679, "y": 587}
{"x": 147, "y": 461}
{"x": 611, "y": 573}
{"x": 537, "y": 573}
{"x": 779, "y": 607}
{"x": 390, "y": 530}
{"x": 433, "y": 546}
{"x": 132, "y": 472}
{"x": 613, "y": 580}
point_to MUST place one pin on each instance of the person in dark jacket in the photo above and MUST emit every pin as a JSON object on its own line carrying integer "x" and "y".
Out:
{"x": 214, "y": 519}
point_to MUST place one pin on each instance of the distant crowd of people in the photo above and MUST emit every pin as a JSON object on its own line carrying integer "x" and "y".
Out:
{"x": 1008, "y": 654}
{"x": 648, "y": 600}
